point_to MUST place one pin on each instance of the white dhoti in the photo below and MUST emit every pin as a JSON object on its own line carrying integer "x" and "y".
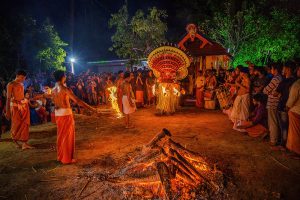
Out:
{"x": 127, "y": 108}
{"x": 240, "y": 109}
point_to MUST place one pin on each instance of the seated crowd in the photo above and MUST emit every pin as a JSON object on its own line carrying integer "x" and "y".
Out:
{"x": 266, "y": 103}
{"x": 261, "y": 101}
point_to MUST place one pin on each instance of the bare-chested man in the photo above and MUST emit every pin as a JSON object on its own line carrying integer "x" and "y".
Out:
{"x": 127, "y": 99}
{"x": 61, "y": 96}
{"x": 18, "y": 111}
{"x": 241, "y": 105}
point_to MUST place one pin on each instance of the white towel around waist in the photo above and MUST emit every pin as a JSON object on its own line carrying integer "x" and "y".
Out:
{"x": 63, "y": 111}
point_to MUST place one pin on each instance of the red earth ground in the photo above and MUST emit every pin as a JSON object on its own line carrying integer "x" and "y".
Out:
{"x": 251, "y": 168}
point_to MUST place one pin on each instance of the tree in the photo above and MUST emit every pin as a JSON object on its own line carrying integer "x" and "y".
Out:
{"x": 256, "y": 36}
{"x": 277, "y": 40}
{"x": 136, "y": 36}
{"x": 231, "y": 30}
{"x": 26, "y": 44}
{"x": 51, "y": 53}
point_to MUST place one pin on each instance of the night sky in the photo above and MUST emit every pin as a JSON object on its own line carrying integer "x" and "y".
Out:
{"x": 92, "y": 37}
{"x": 91, "y": 32}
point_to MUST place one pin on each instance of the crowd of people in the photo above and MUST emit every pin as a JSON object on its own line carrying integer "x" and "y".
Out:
{"x": 265, "y": 101}
{"x": 262, "y": 101}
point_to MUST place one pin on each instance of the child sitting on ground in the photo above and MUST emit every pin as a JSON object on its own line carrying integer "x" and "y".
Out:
{"x": 257, "y": 124}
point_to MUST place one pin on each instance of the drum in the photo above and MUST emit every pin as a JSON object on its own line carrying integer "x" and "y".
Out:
{"x": 209, "y": 104}
{"x": 224, "y": 97}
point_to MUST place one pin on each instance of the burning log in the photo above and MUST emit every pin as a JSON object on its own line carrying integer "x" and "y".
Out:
{"x": 184, "y": 169}
{"x": 165, "y": 178}
{"x": 158, "y": 138}
{"x": 186, "y": 164}
{"x": 165, "y": 169}
{"x": 185, "y": 177}
{"x": 187, "y": 153}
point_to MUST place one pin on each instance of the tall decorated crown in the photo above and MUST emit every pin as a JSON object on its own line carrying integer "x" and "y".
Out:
{"x": 169, "y": 62}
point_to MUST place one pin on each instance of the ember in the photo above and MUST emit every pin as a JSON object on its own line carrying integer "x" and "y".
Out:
{"x": 166, "y": 170}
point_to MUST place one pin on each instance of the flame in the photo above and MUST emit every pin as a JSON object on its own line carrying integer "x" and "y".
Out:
{"x": 164, "y": 91}
{"x": 176, "y": 92}
{"x": 114, "y": 100}
{"x": 153, "y": 90}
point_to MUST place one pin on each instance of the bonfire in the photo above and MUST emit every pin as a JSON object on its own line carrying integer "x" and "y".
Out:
{"x": 164, "y": 169}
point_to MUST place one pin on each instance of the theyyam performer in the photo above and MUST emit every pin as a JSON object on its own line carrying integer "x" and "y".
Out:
{"x": 169, "y": 64}
{"x": 17, "y": 110}
{"x": 61, "y": 96}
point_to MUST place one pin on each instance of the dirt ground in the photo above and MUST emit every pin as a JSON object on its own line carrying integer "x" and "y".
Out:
{"x": 103, "y": 145}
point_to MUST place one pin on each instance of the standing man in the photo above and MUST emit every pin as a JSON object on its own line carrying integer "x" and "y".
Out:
{"x": 272, "y": 104}
{"x": 127, "y": 100}
{"x": 293, "y": 105}
{"x": 200, "y": 83}
{"x": 283, "y": 91}
{"x": 17, "y": 110}
{"x": 240, "y": 110}
{"x": 64, "y": 118}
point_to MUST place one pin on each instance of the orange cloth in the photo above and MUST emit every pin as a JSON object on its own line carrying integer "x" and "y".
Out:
{"x": 256, "y": 131}
{"x": 139, "y": 95}
{"x": 20, "y": 121}
{"x": 293, "y": 140}
{"x": 65, "y": 138}
{"x": 199, "y": 98}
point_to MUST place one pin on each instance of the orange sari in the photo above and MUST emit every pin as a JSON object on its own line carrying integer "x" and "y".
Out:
{"x": 65, "y": 138}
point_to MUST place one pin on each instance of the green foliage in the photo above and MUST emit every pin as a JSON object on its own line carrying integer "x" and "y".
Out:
{"x": 24, "y": 43}
{"x": 136, "y": 36}
{"x": 51, "y": 54}
{"x": 257, "y": 37}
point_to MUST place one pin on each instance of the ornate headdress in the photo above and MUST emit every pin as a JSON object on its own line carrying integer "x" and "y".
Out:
{"x": 169, "y": 63}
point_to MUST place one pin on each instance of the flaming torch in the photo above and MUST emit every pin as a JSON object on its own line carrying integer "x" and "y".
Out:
{"x": 114, "y": 100}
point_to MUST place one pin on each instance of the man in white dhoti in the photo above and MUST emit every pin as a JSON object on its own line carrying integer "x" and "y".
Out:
{"x": 241, "y": 105}
{"x": 127, "y": 99}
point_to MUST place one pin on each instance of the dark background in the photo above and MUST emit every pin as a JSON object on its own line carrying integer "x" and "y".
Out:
{"x": 91, "y": 32}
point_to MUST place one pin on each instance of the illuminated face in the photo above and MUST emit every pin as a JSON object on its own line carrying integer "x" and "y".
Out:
{"x": 27, "y": 95}
{"x": 273, "y": 71}
{"x": 284, "y": 70}
{"x": 21, "y": 78}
